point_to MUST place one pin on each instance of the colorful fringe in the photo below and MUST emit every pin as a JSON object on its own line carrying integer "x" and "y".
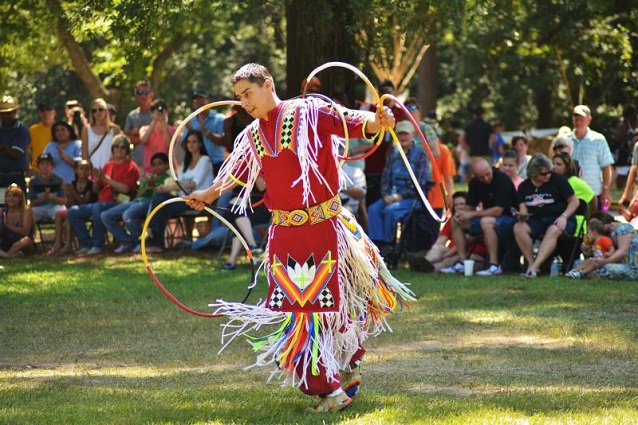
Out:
{"x": 368, "y": 293}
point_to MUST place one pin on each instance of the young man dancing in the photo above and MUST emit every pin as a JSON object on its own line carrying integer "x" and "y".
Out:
{"x": 328, "y": 286}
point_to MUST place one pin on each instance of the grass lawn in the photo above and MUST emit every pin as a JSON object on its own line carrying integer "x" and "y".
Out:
{"x": 94, "y": 341}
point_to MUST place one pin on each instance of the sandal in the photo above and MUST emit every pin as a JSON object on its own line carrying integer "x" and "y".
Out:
{"x": 331, "y": 404}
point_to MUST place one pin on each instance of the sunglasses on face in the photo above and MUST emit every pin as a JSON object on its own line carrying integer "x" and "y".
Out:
{"x": 142, "y": 92}
{"x": 412, "y": 107}
{"x": 545, "y": 173}
{"x": 96, "y": 110}
{"x": 559, "y": 147}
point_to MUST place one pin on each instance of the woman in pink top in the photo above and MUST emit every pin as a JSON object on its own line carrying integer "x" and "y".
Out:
{"x": 510, "y": 166}
{"x": 156, "y": 136}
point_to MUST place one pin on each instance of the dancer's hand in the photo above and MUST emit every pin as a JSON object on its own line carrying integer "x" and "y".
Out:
{"x": 198, "y": 199}
{"x": 384, "y": 117}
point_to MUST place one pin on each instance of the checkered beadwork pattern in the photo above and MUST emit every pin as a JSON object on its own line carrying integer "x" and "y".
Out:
{"x": 259, "y": 144}
{"x": 315, "y": 214}
{"x": 326, "y": 299}
{"x": 287, "y": 127}
{"x": 276, "y": 299}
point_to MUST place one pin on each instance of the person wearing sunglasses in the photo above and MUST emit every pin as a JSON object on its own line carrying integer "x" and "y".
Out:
{"x": 98, "y": 135}
{"x": 546, "y": 208}
{"x": 139, "y": 117}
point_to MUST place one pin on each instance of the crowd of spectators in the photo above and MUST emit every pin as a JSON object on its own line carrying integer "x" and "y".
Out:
{"x": 91, "y": 177}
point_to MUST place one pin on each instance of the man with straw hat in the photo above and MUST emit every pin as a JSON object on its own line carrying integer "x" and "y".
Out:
{"x": 14, "y": 141}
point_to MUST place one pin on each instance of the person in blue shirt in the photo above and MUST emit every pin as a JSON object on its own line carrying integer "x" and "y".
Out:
{"x": 398, "y": 193}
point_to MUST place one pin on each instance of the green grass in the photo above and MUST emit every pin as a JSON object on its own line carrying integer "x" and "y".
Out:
{"x": 94, "y": 342}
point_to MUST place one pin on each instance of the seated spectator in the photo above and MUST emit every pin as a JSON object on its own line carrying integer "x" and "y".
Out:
{"x": 66, "y": 150}
{"x": 547, "y": 204}
{"x": 116, "y": 181}
{"x": 595, "y": 245}
{"x": 519, "y": 143}
{"x": 398, "y": 193}
{"x": 623, "y": 263}
{"x": 196, "y": 174}
{"x": 156, "y": 136}
{"x": 509, "y": 165}
{"x": 16, "y": 224}
{"x": 46, "y": 191}
{"x": 495, "y": 191}
{"x": 355, "y": 190}
{"x": 443, "y": 253}
{"x": 257, "y": 216}
{"x": 79, "y": 192}
{"x": 563, "y": 143}
{"x": 124, "y": 220}
{"x": 565, "y": 166}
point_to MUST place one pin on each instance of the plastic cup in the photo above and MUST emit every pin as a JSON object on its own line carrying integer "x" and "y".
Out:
{"x": 469, "y": 267}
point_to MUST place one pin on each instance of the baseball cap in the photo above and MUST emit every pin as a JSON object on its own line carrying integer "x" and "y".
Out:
{"x": 45, "y": 157}
{"x": 404, "y": 127}
{"x": 200, "y": 93}
{"x": 582, "y": 110}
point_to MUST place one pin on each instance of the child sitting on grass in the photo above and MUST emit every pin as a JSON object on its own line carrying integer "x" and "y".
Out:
{"x": 595, "y": 245}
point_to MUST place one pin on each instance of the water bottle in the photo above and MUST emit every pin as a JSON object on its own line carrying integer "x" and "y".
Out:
{"x": 554, "y": 271}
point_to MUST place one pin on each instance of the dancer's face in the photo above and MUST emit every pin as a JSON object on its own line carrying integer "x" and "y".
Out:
{"x": 255, "y": 99}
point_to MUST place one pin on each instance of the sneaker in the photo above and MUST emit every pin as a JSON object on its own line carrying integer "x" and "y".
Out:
{"x": 529, "y": 273}
{"x": 456, "y": 268}
{"x": 94, "y": 251}
{"x": 228, "y": 267}
{"x": 82, "y": 250}
{"x": 574, "y": 274}
{"x": 351, "y": 381}
{"x": 331, "y": 404}
{"x": 256, "y": 250}
{"x": 122, "y": 249}
{"x": 493, "y": 270}
{"x": 137, "y": 249}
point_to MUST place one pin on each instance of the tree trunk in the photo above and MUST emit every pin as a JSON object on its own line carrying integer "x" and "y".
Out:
{"x": 316, "y": 34}
{"x": 428, "y": 80}
{"x": 543, "y": 97}
{"x": 82, "y": 66}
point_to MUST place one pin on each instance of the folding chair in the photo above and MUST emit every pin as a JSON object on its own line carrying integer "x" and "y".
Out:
{"x": 180, "y": 226}
{"x": 42, "y": 227}
{"x": 568, "y": 247}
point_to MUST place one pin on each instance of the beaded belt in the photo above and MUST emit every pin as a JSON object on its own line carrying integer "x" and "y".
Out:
{"x": 313, "y": 215}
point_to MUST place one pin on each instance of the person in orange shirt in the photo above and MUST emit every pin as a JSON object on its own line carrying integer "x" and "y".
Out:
{"x": 41, "y": 133}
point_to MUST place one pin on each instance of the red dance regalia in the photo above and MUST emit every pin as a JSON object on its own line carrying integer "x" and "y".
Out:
{"x": 328, "y": 286}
